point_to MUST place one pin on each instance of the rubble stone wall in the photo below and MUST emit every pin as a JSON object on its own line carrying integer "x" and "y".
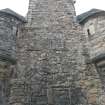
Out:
{"x": 50, "y": 58}
{"x": 8, "y": 30}
{"x": 95, "y": 41}
{"x": 94, "y": 56}
{"x": 52, "y": 54}
{"x": 49, "y": 54}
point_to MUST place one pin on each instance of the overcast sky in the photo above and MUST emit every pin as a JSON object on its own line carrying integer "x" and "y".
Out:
{"x": 85, "y": 5}
{"x": 21, "y": 6}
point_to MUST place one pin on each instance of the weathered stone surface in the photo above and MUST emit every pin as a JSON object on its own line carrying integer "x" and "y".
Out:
{"x": 8, "y": 30}
{"x": 93, "y": 29}
{"x": 58, "y": 63}
{"x": 49, "y": 53}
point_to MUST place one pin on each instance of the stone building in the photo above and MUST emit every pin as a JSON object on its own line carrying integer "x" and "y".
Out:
{"x": 9, "y": 22}
{"x": 50, "y": 58}
{"x": 93, "y": 23}
{"x": 93, "y": 27}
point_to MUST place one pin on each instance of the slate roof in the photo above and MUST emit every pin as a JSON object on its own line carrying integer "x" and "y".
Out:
{"x": 11, "y": 12}
{"x": 84, "y": 16}
{"x": 98, "y": 58}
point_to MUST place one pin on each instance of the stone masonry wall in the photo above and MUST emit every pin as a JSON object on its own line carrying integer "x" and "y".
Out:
{"x": 52, "y": 58}
{"x": 95, "y": 41}
{"x": 8, "y": 30}
{"x": 51, "y": 68}
{"x": 49, "y": 55}
{"x": 93, "y": 46}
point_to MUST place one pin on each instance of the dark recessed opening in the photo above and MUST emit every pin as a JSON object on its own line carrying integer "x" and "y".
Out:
{"x": 89, "y": 34}
{"x": 88, "y": 31}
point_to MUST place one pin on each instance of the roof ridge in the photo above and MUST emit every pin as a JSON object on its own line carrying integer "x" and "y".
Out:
{"x": 83, "y": 16}
{"x": 13, "y": 13}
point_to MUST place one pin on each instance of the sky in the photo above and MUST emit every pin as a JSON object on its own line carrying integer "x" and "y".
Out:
{"x": 21, "y": 6}
{"x": 85, "y": 5}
